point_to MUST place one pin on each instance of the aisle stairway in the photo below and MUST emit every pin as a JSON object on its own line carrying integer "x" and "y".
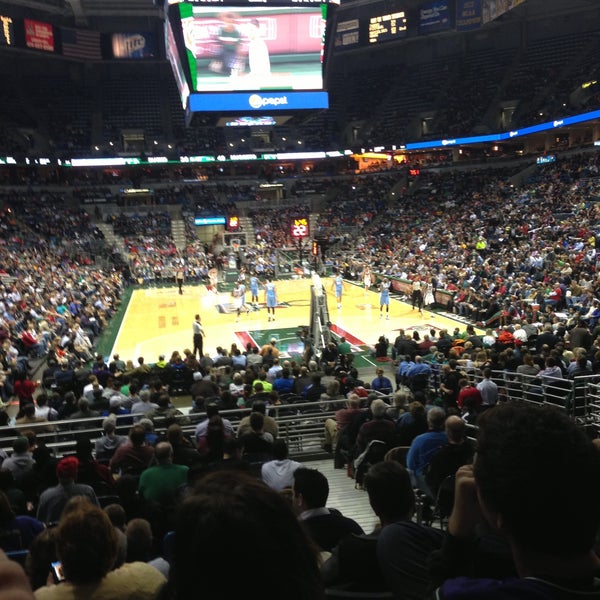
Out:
{"x": 247, "y": 226}
{"x": 178, "y": 231}
{"x": 112, "y": 240}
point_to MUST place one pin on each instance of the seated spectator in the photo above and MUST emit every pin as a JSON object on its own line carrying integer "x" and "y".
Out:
{"x": 533, "y": 463}
{"x": 30, "y": 421}
{"x": 302, "y": 380}
{"x": 380, "y": 350}
{"x": 379, "y": 427}
{"x": 404, "y": 365}
{"x": 21, "y": 461}
{"x": 333, "y": 393}
{"x": 184, "y": 452}
{"x": 237, "y": 388}
{"x": 582, "y": 367}
{"x": 116, "y": 365}
{"x": 259, "y": 394}
{"x": 43, "y": 474}
{"x": 257, "y": 532}
{"x": 279, "y": 472}
{"x": 284, "y": 383}
{"x": 381, "y": 383}
{"x": 353, "y": 564}
{"x": 411, "y": 423}
{"x": 134, "y": 456}
{"x": 417, "y": 377}
{"x": 527, "y": 372}
{"x": 326, "y": 526}
{"x": 41, "y": 555}
{"x": 141, "y": 545}
{"x": 87, "y": 545}
{"x": 89, "y": 470}
{"x": 91, "y": 387}
{"x": 210, "y": 446}
{"x": 163, "y": 482}
{"x": 84, "y": 412}
{"x": 468, "y": 390}
{"x": 166, "y": 413}
{"x": 113, "y": 393}
{"x": 43, "y": 410}
{"x": 334, "y": 427}
{"x": 143, "y": 406}
{"x": 232, "y": 459}
{"x": 238, "y": 360}
{"x": 151, "y": 435}
{"x": 274, "y": 371}
{"x": 118, "y": 517}
{"x": 107, "y": 444}
{"x": 458, "y": 452}
{"x": 424, "y": 447}
{"x": 313, "y": 391}
{"x": 329, "y": 357}
{"x": 17, "y": 532}
{"x": 115, "y": 407}
{"x": 269, "y": 425}
{"x": 53, "y": 500}
{"x": 202, "y": 427}
{"x": 257, "y": 442}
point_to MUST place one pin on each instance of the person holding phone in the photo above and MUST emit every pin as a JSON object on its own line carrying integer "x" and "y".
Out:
{"x": 86, "y": 543}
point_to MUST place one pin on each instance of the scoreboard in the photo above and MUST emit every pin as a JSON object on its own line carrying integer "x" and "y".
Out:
{"x": 370, "y": 24}
{"x": 387, "y": 27}
{"x": 300, "y": 227}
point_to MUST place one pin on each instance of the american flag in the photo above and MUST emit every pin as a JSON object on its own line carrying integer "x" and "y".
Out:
{"x": 81, "y": 43}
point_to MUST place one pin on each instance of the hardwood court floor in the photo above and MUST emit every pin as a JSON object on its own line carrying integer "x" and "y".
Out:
{"x": 158, "y": 320}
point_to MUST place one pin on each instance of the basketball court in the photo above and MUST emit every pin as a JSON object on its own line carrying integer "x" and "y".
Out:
{"x": 158, "y": 320}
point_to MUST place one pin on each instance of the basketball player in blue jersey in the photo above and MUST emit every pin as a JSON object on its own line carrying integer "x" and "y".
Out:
{"x": 270, "y": 299}
{"x": 384, "y": 298}
{"x": 338, "y": 286}
{"x": 254, "y": 283}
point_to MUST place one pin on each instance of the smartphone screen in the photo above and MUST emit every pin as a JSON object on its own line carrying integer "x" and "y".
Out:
{"x": 57, "y": 571}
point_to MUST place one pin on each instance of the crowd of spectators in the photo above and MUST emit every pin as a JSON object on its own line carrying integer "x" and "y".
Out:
{"x": 497, "y": 540}
{"x": 476, "y": 233}
{"x": 271, "y": 225}
{"x": 528, "y": 245}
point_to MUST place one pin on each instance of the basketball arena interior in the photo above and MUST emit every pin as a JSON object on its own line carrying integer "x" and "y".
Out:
{"x": 210, "y": 209}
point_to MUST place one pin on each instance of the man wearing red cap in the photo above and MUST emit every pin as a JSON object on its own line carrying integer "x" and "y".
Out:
{"x": 53, "y": 500}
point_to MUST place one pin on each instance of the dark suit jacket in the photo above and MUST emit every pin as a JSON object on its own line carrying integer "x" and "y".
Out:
{"x": 327, "y": 530}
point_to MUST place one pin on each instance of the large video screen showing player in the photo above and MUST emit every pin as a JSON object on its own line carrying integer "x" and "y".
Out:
{"x": 250, "y": 48}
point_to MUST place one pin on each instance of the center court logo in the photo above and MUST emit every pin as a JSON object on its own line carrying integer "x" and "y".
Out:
{"x": 257, "y": 101}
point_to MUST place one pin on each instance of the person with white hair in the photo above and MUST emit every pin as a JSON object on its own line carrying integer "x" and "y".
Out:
{"x": 378, "y": 427}
{"x": 519, "y": 333}
{"x": 143, "y": 406}
{"x": 425, "y": 446}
